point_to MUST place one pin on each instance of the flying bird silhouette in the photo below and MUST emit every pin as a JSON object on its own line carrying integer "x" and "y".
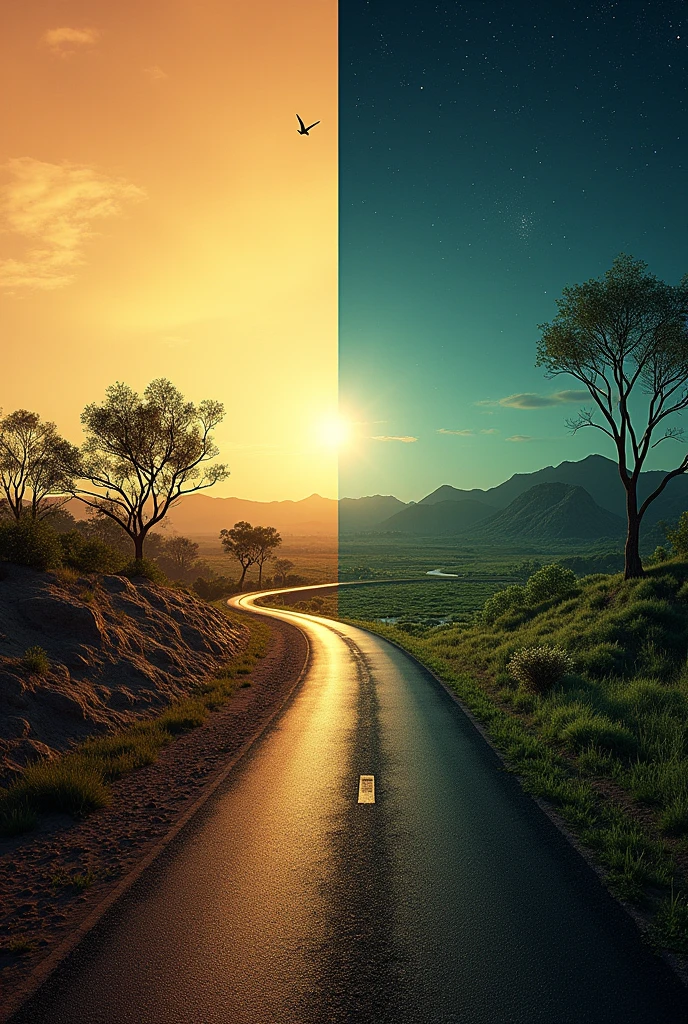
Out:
{"x": 302, "y": 130}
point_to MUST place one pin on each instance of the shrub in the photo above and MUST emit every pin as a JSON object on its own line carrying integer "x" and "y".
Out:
{"x": 549, "y": 582}
{"x": 78, "y": 552}
{"x": 659, "y": 555}
{"x": 36, "y": 660}
{"x": 501, "y": 602}
{"x": 143, "y": 567}
{"x": 30, "y": 542}
{"x": 214, "y": 589}
{"x": 539, "y": 668}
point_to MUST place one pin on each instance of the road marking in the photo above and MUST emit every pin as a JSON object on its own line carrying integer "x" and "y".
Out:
{"x": 366, "y": 789}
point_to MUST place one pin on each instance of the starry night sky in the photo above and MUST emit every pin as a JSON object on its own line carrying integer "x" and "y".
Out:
{"x": 490, "y": 154}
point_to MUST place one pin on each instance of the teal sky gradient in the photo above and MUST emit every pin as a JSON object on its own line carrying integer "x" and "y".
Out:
{"x": 487, "y": 159}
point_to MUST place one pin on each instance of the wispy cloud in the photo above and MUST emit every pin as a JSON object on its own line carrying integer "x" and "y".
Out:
{"x": 156, "y": 74}
{"x": 391, "y": 437}
{"x": 492, "y": 430}
{"x": 520, "y": 438}
{"x": 52, "y": 207}
{"x": 531, "y": 400}
{"x": 64, "y": 42}
{"x": 457, "y": 433}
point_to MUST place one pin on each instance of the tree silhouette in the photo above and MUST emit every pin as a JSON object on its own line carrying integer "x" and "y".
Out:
{"x": 145, "y": 453}
{"x": 282, "y": 568}
{"x": 241, "y": 542}
{"x": 625, "y": 337}
{"x": 37, "y": 466}
{"x": 267, "y": 539}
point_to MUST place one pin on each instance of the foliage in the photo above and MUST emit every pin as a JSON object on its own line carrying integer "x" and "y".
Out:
{"x": 143, "y": 567}
{"x": 503, "y": 601}
{"x": 552, "y": 581}
{"x": 101, "y": 528}
{"x": 144, "y": 453}
{"x": 539, "y": 668}
{"x": 214, "y": 589}
{"x": 283, "y": 567}
{"x": 30, "y": 542}
{"x": 250, "y": 545}
{"x": 659, "y": 555}
{"x": 267, "y": 539}
{"x": 90, "y": 555}
{"x": 678, "y": 536}
{"x": 36, "y": 660}
{"x": 35, "y": 462}
{"x": 620, "y": 336}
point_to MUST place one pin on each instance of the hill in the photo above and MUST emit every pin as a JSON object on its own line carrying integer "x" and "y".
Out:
{"x": 440, "y": 519}
{"x": 361, "y": 514}
{"x": 551, "y": 511}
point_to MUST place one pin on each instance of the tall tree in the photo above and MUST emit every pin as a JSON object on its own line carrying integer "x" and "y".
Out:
{"x": 282, "y": 568}
{"x": 37, "y": 466}
{"x": 145, "y": 453}
{"x": 179, "y": 555}
{"x": 625, "y": 337}
{"x": 267, "y": 540}
{"x": 241, "y": 542}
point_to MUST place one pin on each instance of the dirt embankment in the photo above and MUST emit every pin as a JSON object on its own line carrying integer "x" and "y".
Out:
{"x": 118, "y": 650}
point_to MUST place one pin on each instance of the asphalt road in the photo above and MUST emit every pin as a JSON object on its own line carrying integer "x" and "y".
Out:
{"x": 285, "y": 901}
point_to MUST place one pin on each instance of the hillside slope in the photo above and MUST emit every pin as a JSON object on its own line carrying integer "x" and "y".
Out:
{"x": 442, "y": 518}
{"x": 553, "y": 511}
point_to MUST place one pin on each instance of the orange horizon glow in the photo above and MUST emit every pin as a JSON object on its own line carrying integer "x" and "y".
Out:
{"x": 161, "y": 217}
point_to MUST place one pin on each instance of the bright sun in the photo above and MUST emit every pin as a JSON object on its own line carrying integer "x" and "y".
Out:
{"x": 333, "y": 431}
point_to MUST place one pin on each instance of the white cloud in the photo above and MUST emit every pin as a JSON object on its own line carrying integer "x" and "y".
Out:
{"x": 531, "y": 400}
{"x": 64, "y": 42}
{"x": 389, "y": 437}
{"x": 156, "y": 74}
{"x": 456, "y": 433}
{"x": 52, "y": 207}
{"x": 492, "y": 430}
{"x": 520, "y": 438}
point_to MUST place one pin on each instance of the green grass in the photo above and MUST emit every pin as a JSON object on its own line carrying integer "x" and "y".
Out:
{"x": 608, "y": 745}
{"x": 78, "y": 782}
{"x": 36, "y": 660}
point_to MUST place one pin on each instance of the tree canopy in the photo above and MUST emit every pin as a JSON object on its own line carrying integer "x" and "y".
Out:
{"x": 625, "y": 338}
{"x": 37, "y": 466}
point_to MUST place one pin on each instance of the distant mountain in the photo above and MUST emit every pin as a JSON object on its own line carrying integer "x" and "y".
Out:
{"x": 439, "y": 519}
{"x": 598, "y": 475}
{"x": 358, "y": 515}
{"x": 549, "y": 512}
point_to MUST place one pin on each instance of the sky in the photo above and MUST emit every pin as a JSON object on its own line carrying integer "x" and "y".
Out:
{"x": 492, "y": 153}
{"x": 161, "y": 217}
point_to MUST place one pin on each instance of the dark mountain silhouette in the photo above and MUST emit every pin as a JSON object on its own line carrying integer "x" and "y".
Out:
{"x": 357, "y": 515}
{"x": 442, "y": 518}
{"x": 597, "y": 474}
{"x": 551, "y": 511}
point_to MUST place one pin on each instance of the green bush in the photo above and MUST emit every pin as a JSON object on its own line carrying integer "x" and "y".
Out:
{"x": 539, "y": 668}
{"x": 214, "y": 589}
{"x": 36, "y": 660}
{"x": 659, "y": 555}
{"x": 78, "y": 552}
{"x": 143, "y": 567}
{"x": 30, "y": 542}
{"x": 549, "y": 582}
{"x": 501, "y": 602}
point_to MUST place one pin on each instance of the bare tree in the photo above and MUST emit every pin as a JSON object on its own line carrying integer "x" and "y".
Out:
{"x": 267, "y": 539}
{"x": 37, "y": 466}
{"x": 145, "y": 453}
{"x": 625, "y": 337}
{"x": 282, "y": 568}
{"x": 241, "y": 542}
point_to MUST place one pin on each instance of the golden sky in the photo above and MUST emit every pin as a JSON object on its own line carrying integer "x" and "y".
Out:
{"x": 161, "y": 217}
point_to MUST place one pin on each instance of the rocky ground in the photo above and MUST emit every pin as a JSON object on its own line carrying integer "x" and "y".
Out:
{"x": 52, "y": 880}
{"x": 118, "y": 650}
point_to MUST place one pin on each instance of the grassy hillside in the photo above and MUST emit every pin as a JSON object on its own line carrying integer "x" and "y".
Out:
{"x": 608, "y": 744}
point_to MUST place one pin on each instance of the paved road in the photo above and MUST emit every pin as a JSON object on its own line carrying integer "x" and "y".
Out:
{"x": 451, "y": 899}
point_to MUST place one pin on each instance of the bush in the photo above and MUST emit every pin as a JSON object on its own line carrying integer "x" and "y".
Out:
{"x": 36, "y": 660}
{"x": 78, "y": 552}
{"x": 30, "y": 542}
{"x": 549, "y": 582}
{"x": 659, "y": 555}
{"x": 213, "y": 590}
{"x": 501, "y": 602}
{"x": 143, "y": 567}
{"x": 539, "y": 668}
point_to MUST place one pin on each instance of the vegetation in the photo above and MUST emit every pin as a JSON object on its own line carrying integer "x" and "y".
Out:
{"x": 143, "y": 454}
{"x": 622, "y": 336}
{"x": 35, "y": 462}
{"x": 36, "y": 660}
{"x": 606, "y": 742}
{"x": 79, "y": 781}
{"x": 250, "y": 545}
{"x": 30, "y": 542}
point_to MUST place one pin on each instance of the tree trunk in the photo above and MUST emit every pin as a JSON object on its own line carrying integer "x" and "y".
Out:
{"x": 260, "y": 575}
{"x": 633, "y": 565}
{"x": 138, "y": 547}
{"x": 243, "y": 575}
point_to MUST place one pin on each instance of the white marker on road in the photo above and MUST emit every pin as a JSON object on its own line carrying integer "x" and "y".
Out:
{"x": 366, "y": 789}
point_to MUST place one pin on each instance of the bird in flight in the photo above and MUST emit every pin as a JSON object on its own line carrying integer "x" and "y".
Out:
{"x": 302, "y": 130}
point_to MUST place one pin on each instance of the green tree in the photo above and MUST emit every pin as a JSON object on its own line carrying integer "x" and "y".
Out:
{"x": 142, "y": 454}
{"x": 37, "y": 466}
{"x": 625, "y": 338}
{"x": 267, "y": 540}
{"x": 240, "y": 542}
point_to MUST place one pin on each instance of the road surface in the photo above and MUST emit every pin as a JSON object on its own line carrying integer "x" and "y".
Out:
{"x": 452, "y": 898}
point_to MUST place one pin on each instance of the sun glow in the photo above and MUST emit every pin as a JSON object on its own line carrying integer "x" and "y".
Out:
{"x": 333, "y": 431}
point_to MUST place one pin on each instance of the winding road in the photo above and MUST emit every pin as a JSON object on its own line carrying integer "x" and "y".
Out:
{"x": 452, "y": 898}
